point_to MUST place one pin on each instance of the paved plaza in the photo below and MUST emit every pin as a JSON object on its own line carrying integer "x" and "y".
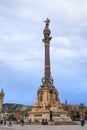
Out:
{"x": 44, "y": 127}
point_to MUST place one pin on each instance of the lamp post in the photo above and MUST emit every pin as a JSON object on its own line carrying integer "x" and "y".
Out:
{"x": 11, "y": 115}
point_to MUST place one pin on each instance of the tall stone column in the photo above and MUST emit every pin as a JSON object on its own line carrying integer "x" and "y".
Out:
{"x": 46, "y": 40}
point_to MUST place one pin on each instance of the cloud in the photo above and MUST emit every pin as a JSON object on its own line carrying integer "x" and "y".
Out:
{"x": 68, "y": 47}
{"x": 16, "y": 38}
{"x": 20, "y": 56}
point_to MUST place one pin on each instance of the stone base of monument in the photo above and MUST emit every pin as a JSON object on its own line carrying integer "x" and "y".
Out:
{"x": 57, "y": 117}
{"x": 43, "y": 119}
{"x": 66, "y": 123}
{"x": 60, "y": 123}
{"x": 51, "y": 122}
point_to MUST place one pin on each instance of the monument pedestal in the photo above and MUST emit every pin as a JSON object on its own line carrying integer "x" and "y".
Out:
{"x": 51, "y": 122}
{"x": 47, "y": 106}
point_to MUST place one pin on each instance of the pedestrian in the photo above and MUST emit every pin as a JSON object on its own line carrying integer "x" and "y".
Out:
{"x": 4, "y": 121}
{"x": 82, "y": 121}
{"x": 1, "y": 121}
{"x": 22, "y": 122}
{"x": 10, "y": 123}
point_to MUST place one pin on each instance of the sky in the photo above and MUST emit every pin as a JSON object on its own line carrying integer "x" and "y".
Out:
{"x": 22, "y": 49}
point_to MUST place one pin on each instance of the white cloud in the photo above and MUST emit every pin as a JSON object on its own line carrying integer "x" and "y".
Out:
{"x": 16, "y": 38}
{"x": 62, "y": 41}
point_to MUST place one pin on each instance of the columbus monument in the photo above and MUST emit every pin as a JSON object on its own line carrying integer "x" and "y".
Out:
{"x": 47, "y": 105}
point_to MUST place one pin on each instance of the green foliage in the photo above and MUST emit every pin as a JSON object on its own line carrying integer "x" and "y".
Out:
{"x": 16, "y": 108}
{"x": 82, "y": 106}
